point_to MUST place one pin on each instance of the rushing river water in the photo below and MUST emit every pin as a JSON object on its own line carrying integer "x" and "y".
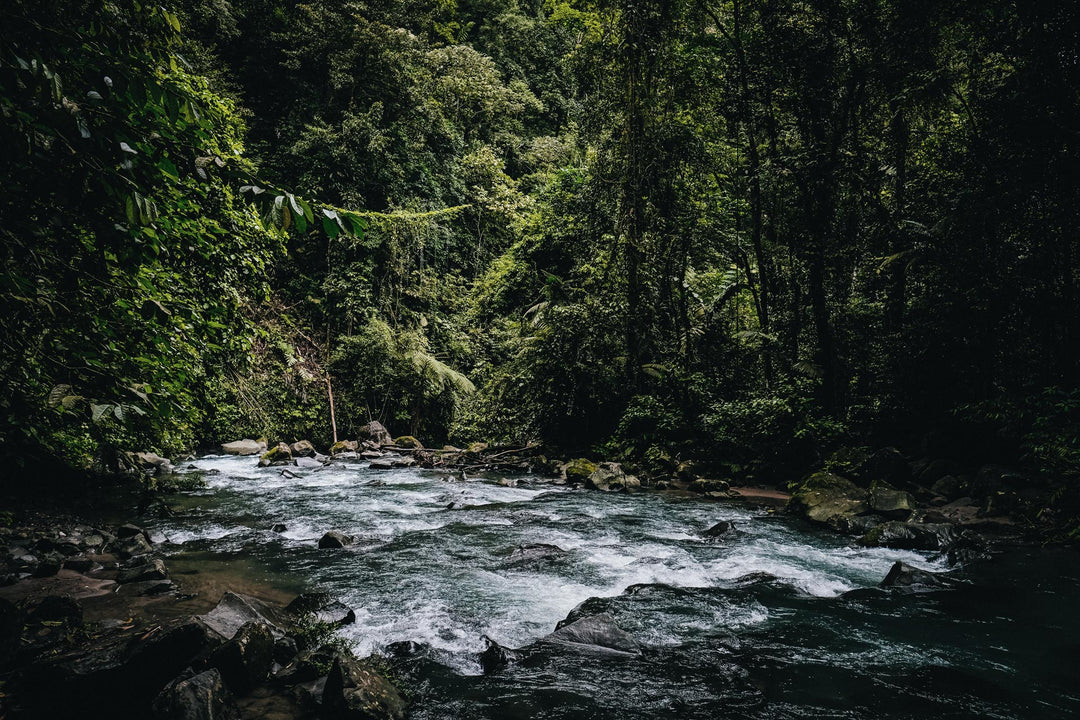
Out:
{"x": 773, "y": 621}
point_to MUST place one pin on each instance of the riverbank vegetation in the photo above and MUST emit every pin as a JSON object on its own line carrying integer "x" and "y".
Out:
{"x": 743, "y": 233}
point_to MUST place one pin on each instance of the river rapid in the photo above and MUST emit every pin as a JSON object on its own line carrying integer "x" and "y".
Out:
{"x": 774, "y": 620}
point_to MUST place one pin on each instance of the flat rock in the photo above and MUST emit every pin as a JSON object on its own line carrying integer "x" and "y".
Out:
{"x": 243, "y": 447}
{"x": 235, "y": 610}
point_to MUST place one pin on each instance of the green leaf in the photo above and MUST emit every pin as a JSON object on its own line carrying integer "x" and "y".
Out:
{"x": 96, "y": 411}
{"x": 166, "y": 166}
{"x": 330, "y": 227}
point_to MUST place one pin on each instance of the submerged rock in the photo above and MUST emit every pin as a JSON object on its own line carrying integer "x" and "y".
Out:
{"x": 335, "y": 539}
{"x": 495, "y": 656}
{"x": 829, "y": 499}
{"x": 536, "y": 552}
{"x": 243, "y": 447}
{"x": 902, "y": 575}
{"x": 596, "y": 631}
{"x": 322, "y": 608}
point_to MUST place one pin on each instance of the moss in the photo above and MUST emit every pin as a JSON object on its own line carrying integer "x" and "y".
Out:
{"x": 579, "y": 469}
{"x": 407, "y": 441}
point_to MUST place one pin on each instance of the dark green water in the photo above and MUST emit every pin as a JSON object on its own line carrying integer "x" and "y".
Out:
{"x": 775, "y": 621}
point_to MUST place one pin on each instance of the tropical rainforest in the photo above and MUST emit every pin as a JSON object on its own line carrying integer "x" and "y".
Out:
{"x": 742, "y": 232}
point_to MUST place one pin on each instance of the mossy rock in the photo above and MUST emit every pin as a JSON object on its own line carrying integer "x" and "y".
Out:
{"x": 579, "y": 469}
{"x": 708, "y": 485}
{"x": 343, "y": 446}
{"x": 407, "y": 441}
{"x": 889, "y": 502}
{"x": 280, "y": 453}
{"x": 829, "y": 499}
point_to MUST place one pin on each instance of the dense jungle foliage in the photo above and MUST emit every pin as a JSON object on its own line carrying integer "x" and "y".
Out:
{"x": 740, "y": 231}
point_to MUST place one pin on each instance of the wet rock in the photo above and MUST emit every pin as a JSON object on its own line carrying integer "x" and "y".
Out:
{"x": 610, "y": 476}
{"x": 148, "y": 462}
{"x": 495, "y": 657}
{"x": 303, "y": 448}
{"x": 709, "y": 486}
{"x": 909, "y": 536}
{"x": 371, "y": 454}
{"x": 535, "y": 553}
{"x": 857, "y": 524}
{"x": 374, "y": 432}
{"x": 308, "y": 462}
{"x": 889, "y": 502}
{"x": 342, "y": 447}
{"x": 355, "y": 690}
{"x": 153, "y": 570}
{"x": 196, "y": 697}
{"x": 829, "y": 499}
{"x": 720, "y": 529}
{"x": 508, "y": 482}
{"x": 322, "y": 608}
{"x": 402, "y": 461}
{"x": 245, "y": 660}
{"x": 335, "y": 539}
{"x": 382, "y": 464}
{"x": 902, "y": 575}
{"x": 243, "y": 447}
{"x": 279, "y": 528}
{"x": 129, "y": 531}
{"x": 148, "y": 588}
{"x": 407, "y": 441}
{"x": 279, "y": 454}
{"x": 578, "y": 470}
{"x": 597, "y": 631}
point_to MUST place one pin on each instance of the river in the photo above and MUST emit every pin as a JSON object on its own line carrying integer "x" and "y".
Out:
{"x": 774, "y": 620}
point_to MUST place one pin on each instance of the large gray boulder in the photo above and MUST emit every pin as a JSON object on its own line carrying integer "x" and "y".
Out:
{"x": 243, "y": 447}
{"x": 376, "y": 433}
{"x": 609, "y": 477}
{"x": 597, "y": 632}
{"x": 902, "y": 575}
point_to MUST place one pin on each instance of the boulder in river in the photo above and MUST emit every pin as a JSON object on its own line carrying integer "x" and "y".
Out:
{"x": 720, "y": 529}
{"x": 343, "y": 446}
{"x": 335, "y": 539}
{"x": 245, "y": 660}
{"x": 196, "y": 697}
{"x": 280, "y": 454}
{"x": 535, "y": 552}
{"x": 578, "y": 470}
{"x": 302, "y": 448}
{"x": 309, "y": 463}
{"x": 495, "y": 656}
{"x": 829, "y": 499}
{"x": 609, "y": 477}
{"x": 355, "y": 689}
{"x": 902, "y": 575}
{"x": 321, "y": 607}
{"x": 374, "y": 432}
{"x": 234, "y": 611}
{"x": 889, "y": 502}
{"x": 597, "y": 632}
{"x": 910, "y": 536}
{"x": 243, "y": 447}
{"x": 408, "y": 441}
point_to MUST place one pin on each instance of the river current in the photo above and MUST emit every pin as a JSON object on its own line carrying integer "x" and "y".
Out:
{"x": 774, "y": 620}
